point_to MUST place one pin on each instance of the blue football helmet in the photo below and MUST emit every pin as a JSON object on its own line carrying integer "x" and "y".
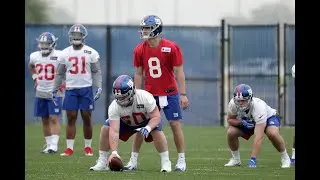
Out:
{"x": 46, "y": 42}
{"x": 242, "y": 96}
{"x": 77, "y": 34}
{"x": 123, "y": 90}
{"x": 151, "y": 27}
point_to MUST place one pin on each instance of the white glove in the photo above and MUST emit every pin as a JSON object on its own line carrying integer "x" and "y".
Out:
{"x": 98, "y": 93}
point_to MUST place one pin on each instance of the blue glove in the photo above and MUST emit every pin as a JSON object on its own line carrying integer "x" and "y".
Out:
{"x": 54, "y": 97}
{"x": 247, "y": 124}
{"x": 98, "y": 93}
{"x": 252, "y": 163}
{"x": 145, "y": 131}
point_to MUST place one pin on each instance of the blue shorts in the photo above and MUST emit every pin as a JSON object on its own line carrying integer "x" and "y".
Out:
{"x": 79, "y": 99}
{"x": 271, "y": 121}
{"x": 172, "y": 110}
{"x": 44, "y": 107}
{"x": 127, "y": 131}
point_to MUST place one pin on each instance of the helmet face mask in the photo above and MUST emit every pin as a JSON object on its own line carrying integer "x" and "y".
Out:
{"x": 123, "y": 90}
{"x": 77, "y": 34}
{"x": 242, "y": 97}
{"x": 151, "y": 27}
{"x": 46, "y": 42}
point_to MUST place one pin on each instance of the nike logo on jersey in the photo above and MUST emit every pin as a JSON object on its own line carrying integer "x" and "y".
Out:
{"x": 53, "y": 58}
{"x": 260, "y": 117}
{"x": 165, "y": 49}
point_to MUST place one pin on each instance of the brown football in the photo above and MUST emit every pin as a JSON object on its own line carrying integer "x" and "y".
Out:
{"x": 116, "y": 164}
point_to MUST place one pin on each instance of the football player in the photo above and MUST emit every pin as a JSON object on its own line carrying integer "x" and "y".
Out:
{"x": 42, "y": 66}
{"x": 248, "y": 115}
{"x": 161, "y": 61}
{"x": 132, "y": 111}
{"x": 80, "y": 65}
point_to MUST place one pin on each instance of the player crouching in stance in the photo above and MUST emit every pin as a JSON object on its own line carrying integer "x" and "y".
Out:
{"x": 248, "y": 115}
{"x": 42, "y": 67}
{"x": 132, "y": 110}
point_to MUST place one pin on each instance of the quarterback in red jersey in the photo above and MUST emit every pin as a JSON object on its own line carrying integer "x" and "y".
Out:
{"x": 160, "y": 60}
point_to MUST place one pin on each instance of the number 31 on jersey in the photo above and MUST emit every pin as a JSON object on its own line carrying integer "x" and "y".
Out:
{"x": 154, "y": 67}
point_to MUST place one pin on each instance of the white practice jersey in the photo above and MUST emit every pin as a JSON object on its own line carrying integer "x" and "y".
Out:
{"x": 143, "y": 104}
{"x": 45, "y": 68}
{"x": 293, "y": 71}
{"x": 259, "y": 112}
{"x": 78, "y": 66}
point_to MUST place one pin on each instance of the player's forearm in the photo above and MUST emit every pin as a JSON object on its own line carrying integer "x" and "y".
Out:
{"x": 32, "y": 71}
{"x": 96, "y": 74}
{"x": 60, "y": 76}
{"x": 113, "y": 139}
{"x": 234, "y": 122}
{"x": 257, "y": 143}
{"x": 138, "y": 80}
{"x": 181, "y": 81}
{"x": 154, "y": 122}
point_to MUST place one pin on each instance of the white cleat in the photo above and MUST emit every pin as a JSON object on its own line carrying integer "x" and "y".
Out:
{"x": 132, "y": 165}
{"x": 285, "y": 162}
{"x": 181, "y": 165}
{"x": 46, "y": 150}
{"x": 166, "y": 166}
{"x": 100, "y": 166}
{"x": 233, "y": 162}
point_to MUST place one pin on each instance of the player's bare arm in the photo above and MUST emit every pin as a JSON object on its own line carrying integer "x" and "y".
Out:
{"x": 233, "y": 120}
{"x": 96, "y": 74}
{"x": 114, "y": 134}
{"x": 258, "y": 138}
{"x": 182, "y": 85}
{"x": 138, "y": 76}
{"x": 154, "y": 118}
{"x": 60, "y": 76}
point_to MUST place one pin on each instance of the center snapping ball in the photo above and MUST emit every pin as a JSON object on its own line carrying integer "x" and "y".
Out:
{"x": 115, "y": 164}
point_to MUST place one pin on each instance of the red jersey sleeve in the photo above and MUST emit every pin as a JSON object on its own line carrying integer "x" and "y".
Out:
{"x": 137, "y": 60}
{"x": 177, "y": 58}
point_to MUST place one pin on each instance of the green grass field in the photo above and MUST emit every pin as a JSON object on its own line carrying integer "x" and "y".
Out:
{"x": 206, "y": 153}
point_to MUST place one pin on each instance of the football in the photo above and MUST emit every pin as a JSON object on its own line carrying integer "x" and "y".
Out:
{"x": 116, "y": 164}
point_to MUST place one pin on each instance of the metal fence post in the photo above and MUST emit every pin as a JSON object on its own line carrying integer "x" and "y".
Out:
{"x": 108, "y": 68}
{"x": 281, "y": 73}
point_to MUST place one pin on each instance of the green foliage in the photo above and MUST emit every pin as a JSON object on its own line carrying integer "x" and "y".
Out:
{"x": 36, "y": 11}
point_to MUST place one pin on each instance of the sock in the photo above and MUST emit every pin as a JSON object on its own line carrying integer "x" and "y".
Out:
{"x": 164, "y": 156}
{"x": 134, "y": 155}
{"x": 48, "y": 140}
{"x": 55, "y": 140}
{"x": 284, "y": 153}
{"x": 87, "y": 142}
{"x": 293, "y": 153}
{"x": 70, "y": 143}
{"x": 103, "y": 155}
{"x": 181, "y": 156}
{"x": 235, "y": 154}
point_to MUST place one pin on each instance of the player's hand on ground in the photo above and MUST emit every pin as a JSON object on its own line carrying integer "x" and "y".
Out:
{"x": 98, "y": 93}
{"x": 247, "y": 124}
{"x": 113, "y": 154}
{"x": 252, "y": 163}
{"x": 184, "y": 102}
{"x": 145, "y": 131}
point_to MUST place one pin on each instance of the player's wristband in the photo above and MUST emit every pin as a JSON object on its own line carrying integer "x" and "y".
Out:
{"x": 148, "y": 128}
{"x": 183, "y": 94}
{"x": 34, "y": 76}
{"x": 115, "y": 153}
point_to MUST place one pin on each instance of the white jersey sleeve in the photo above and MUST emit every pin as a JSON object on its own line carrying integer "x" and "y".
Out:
{"x": 293, "y": 71}
{"x": 95, "y": 57}
{"x": 149, "y": 101}
{"x": 33, "y": 58}
{"x": 114, "y": 111}
{"x": 261, "y": 111}
{"x": 232, "y": 109}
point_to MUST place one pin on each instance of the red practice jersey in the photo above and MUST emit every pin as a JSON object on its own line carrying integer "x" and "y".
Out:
{"x": 158, "y": 65}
